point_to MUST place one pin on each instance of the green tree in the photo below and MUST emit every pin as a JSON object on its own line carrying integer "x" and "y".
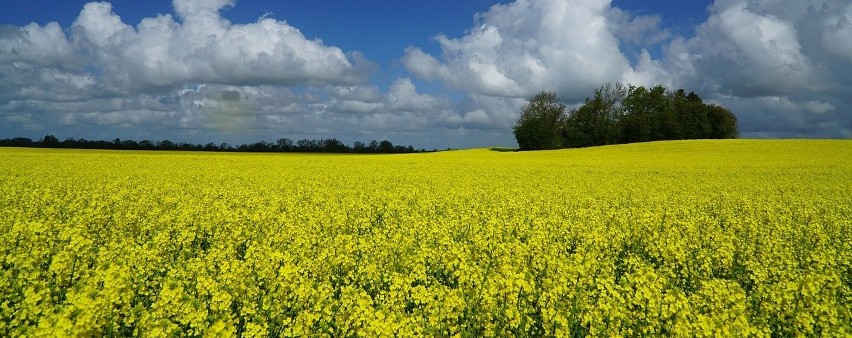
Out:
{"x": 622, "y": 114}
{"x": 540, "y": 123}
{"x": 648, "y": 115}
{"x": 595, "y": 123}
{"x": 693, "y": 122}
{"x": 49, "y": 141}
{"x": 722, "y": 122}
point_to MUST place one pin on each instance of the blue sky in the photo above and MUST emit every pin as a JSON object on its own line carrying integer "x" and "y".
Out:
{"x": 432, "y": 74}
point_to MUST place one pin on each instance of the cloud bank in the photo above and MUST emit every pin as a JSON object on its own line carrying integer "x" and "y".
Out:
{"x": 784, "y": 67}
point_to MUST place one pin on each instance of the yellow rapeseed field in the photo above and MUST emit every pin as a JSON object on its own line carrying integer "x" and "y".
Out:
{"x": 686, "y": 238}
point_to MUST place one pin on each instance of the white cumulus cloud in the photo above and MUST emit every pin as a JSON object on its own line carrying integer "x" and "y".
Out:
{"x": 110, "y": 56}
{"x": 781, "y": 66}
{"x": 203, "y": 47}
{"x": 749, "y": 53}
{"x": 519, "y": 48}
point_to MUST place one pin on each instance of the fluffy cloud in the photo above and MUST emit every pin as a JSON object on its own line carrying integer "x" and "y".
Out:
{"x": 748, "y": 54}
{"x": 522, "y": 47}
{"x": 779, "y": 65}
{"x": 205, "y": 48}
{"x": 105, "y": 55}
{"x": 403, "y": 96}
{"x": 38, "y": 62}
{"x": 838, "y": 32}
{"x": 42, "y": 46}
{"x": 641, "y": 30}
{"x": 781, "y": 116}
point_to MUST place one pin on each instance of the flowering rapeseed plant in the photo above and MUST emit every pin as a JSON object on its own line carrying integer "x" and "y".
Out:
{"x": 691, "y": 238}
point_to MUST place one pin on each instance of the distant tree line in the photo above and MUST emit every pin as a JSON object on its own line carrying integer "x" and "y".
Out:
{"x": 331, "y": 145}
{"x": 621, "y": 114}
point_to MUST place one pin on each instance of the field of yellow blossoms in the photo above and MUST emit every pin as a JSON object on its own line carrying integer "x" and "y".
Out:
{"x": 686, "y": 238}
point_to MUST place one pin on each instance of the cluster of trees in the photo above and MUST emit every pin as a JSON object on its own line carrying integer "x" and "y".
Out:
{"x": 281, "y": 145}
{"x": 621, "y": 114}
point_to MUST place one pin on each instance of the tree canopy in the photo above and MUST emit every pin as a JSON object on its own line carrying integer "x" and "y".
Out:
{"x": 621, "y": 114}
{"x": 540, "y": 121}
